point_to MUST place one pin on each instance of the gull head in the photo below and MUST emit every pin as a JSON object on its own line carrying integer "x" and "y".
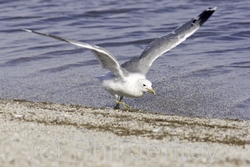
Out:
{"x": 145, "y": 85}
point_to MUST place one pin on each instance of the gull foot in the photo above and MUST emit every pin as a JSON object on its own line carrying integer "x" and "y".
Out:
{"x": 122, "y": 103}
{"x": 117, "y": 106}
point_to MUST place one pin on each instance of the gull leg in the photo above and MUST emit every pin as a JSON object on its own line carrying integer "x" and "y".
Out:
{"x": 122, "y": 103}
{"x": 117, "y": 106}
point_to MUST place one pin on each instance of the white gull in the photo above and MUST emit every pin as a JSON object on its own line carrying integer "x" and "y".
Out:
{"x": 129, "y": 79}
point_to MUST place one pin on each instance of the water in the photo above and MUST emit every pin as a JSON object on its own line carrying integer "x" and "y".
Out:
{"x": 207, "y": 76}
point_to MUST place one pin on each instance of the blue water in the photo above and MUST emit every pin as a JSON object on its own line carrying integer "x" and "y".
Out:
{"x": 207, "y": 76}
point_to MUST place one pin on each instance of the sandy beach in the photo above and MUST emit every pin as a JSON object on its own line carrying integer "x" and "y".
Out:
{"x": 47, "y": 134}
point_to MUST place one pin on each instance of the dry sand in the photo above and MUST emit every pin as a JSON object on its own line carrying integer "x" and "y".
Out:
{"x": 46, "y": 134}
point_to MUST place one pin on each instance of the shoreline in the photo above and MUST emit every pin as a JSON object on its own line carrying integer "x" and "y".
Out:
{"x": 200, "y": 141}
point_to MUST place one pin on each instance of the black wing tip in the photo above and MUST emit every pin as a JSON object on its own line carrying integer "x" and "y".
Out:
{"x": 204, "y": 16}
{"x": 211, "y": 9}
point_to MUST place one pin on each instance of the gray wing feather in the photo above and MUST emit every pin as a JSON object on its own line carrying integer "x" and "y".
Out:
{"x": 161, "y": 45}
{"x": 103, "y": 56}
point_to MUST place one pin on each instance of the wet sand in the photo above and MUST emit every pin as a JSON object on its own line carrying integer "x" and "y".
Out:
{"x": 47, "y": 134}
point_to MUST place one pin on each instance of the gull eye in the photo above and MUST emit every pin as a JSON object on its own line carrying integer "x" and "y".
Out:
{"x": 144, "y": 85}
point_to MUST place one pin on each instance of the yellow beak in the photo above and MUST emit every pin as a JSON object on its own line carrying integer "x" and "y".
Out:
{"x": 151, "y": 91}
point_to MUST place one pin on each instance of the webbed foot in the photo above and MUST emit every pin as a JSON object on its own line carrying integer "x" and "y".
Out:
{"x": 122, "y": 103}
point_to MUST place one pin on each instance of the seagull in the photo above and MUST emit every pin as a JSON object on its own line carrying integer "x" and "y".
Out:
{"x": 129, "y": 78}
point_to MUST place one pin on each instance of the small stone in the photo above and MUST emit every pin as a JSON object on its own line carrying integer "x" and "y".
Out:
{"x": 157, "y": 130}
{"x": 18, "y": 116}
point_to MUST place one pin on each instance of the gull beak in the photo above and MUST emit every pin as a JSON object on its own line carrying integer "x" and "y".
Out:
{"x": 151, "y": 91}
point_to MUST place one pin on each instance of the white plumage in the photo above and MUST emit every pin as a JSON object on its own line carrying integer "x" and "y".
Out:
{"x": 129, "y": 79}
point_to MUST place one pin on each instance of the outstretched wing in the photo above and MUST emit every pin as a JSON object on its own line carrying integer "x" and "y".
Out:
{"x": 161, "y": 45}
{"x": 105, "y": 58}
